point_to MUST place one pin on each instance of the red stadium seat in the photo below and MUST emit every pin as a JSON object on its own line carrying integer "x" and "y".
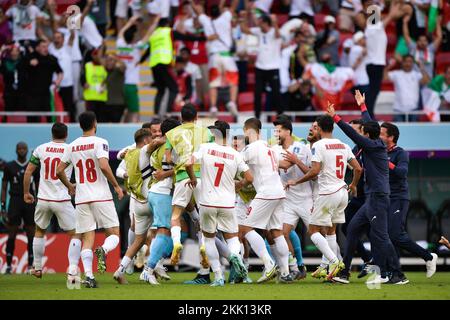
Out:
{"x": 245, "y": 101}
{"x": 387, "y": 86}
{"x": 348, "y": 102}
{"x": 392, "y": 42}
{"x": 319, "y": 21}
{"x": 282, "y": 18}
{"x": 250, "y": 81}
{"x": 442, "y": 61}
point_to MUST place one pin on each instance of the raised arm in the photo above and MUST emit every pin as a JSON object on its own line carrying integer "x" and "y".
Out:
{"x": 129, "y": 23}
{"x": 360, "y": 140}
{"x": 438, "y": 38}
{"x": 361, "y": 101}
{"x": 406, "y": 35}
{"x": 152, "y": 28}
{"x": 274, "y": 19}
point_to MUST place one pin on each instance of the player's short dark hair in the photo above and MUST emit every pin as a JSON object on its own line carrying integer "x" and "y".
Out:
{"x": 215, "y": 11}
{"x": 59, "y": 130}
{"x": 164, "y": 22}
{"x": 168, "y": 125}
{"x": 392, "y": 130}
{"x": 283, "y": 121}
{"x": 87, "y": 120}
{"x": 266, "y": 19}
{"x": 188, "y": 112}
{"x": 408, "y": 56}
{"x": 372, "y": 128}
{"x": 185, "y": 49}
{"x": 148, "y": 125}
{"x": 129, "y": 34}
{"x": 253, "y": 123}
{"x": 325, "y": 122}
{"x": 140, "y": 135}
{"x": 220, "y": 129}
{"x": 356, "y": 121}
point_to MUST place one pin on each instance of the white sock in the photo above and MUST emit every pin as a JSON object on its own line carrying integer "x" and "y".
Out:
{"x": 131, "y": 236}
{"x": 213, "y": 257}
{"x": 200, "y": 238}
{"x": 73, "y": 254}
{"x": 322, "y": 244}
{"x": 203, "y": 271}
{"x": 292, "y": 263}
{"x": 160, "y": 263}
{"x": 194, "y": 215}
{"x": 331, "y": 239}
{"x": 242, "y": 250}
{"x": 176, "y": 234}
{"x": 234, "y": 245}
{"x": 283, "y": 255}
{"x": 38, "y": 252}
{"x": 324, "y": 262}
{"x": 86, "y": 258}
{"x": 124, "y": 264}
{"x": 273, "y": 250}
{"x": 259, "y": 247}
{"x": 110, "y": 243}
{"x": 224, "y": 250}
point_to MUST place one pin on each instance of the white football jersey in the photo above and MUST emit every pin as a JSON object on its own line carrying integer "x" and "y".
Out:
{"x": 83, "y": 154}
{"x": 48, "y": 156}
{"x": 303, "y": 152}
{"x": 145, "y": 167}
{"x": 263, "y": 163}
{"x": 219, "y": 166}
{"x": 334, "y": 156}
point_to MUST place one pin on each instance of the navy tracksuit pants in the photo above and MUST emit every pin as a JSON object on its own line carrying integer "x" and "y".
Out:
{"x": 353, "y": 206}
{"x": 398, "y": 213}
{"x": 374, "y": 215}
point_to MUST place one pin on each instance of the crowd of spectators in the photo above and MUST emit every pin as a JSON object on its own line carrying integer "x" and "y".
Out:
{"x": 235, "y": 55}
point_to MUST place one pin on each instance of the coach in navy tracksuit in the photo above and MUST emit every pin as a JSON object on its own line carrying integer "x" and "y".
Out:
{"x": 374, "y": 212}
{"x": 399, "y": 198}
{"x": 357, "y": 202}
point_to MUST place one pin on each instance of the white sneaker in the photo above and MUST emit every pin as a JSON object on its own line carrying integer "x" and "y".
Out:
{"x": 161, "y": 272}
{"x": 143, "y": 275}
{"x": 140, "y": 257}
{"x": 120, "y": 278}
{"x": 213, "y": 111}
{"x": 268, "y": 274}
{"x": 151, "y": 278}
{"x": 431, "y": 265}
{"x": 130, "y": 269}
{"x": 231, "y": 106}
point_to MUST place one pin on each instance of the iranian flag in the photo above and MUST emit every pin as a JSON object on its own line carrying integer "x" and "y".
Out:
{"x": 330, "y": 82}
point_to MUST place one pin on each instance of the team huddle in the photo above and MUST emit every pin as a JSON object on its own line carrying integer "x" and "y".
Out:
{"x": 240, "y": 192}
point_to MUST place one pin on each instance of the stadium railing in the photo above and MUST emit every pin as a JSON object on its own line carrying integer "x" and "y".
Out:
{"x": 59, "y": 114}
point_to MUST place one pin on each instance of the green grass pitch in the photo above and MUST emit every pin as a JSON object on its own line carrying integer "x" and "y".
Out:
{"x": 54, "y": 287}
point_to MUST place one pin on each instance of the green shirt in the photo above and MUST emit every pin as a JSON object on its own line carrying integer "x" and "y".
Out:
{"x": 438, "y": 84}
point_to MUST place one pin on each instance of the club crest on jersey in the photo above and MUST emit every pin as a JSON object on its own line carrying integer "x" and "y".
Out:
{"x": 296, "y": 150}
{"x": 105, "y": 147}
{"x": 313, "y": 151}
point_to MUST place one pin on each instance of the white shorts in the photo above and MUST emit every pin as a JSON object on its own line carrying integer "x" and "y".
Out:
{"x": 329, "y": 209}
{"x": 222, "y": 71}
{"x": 182, "y": 194}
{"x": 265, "y": 214}
{"x": 96, "y": 215}
{"x": 143, "y": 217}
{"x": 241, "y": 210}
{"x": 301, "y": 210}
{"x": 121, "y": 9}
{"x": 214, "y": 218}
{"x": 64, "y": 212}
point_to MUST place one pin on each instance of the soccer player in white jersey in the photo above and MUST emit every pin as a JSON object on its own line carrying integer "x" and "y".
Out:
{"x": 95, "y": 208}
{"x": 219, "y": 165}
{"x": 329, "y": 160}
{"x": 266, "y": 209}
{"x": 53, "y": 199}
{"x": 295, "y": 161}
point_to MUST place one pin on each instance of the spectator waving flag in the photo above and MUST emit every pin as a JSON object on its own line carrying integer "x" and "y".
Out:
{"x": 329, "y": 81}
{"x": 433, "y": 15}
